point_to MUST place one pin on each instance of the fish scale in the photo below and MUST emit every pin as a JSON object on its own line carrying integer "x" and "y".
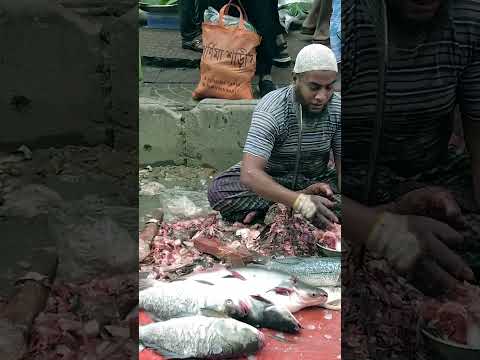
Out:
{"x": 201, "y": 337}
{"x": 314, "y": 270}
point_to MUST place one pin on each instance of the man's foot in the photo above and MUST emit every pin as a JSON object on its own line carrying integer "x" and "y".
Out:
{"x": 307, "y": 31}
{"x": 195, "y": 45}
{"x": 250, "y": 217}
{"x": 265, "y": 86}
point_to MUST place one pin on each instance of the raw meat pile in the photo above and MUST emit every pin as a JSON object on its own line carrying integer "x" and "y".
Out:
{"x": 87, "y": 321}
{"x": 457, "y": 317}
{"x": 382, "y": 310}
{"x": 173, "y": 250}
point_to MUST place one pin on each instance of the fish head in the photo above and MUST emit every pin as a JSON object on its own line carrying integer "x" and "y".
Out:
{"x": 237, "y": 309}
{"x": 310, "y": 296}
{"x": 241, "y": 337}
{"x": 279, "y": 318}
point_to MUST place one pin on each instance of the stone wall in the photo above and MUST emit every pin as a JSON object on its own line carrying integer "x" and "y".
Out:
{"x": 212, "y": 134}
{"x": 68, "y": 70}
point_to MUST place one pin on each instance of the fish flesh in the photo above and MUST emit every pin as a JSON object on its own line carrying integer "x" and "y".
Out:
{"x": 201, "y": 337}
{"x": 190, "y": 297}
{"x": 314, "y": 270}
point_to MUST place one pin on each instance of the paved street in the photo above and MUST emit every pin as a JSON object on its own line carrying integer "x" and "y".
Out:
{"x": 172, "y": 73}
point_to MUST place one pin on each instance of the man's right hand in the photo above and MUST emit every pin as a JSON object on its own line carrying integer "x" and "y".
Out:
{"x": 417, "y": 242}
{"x": 316, "y": 209}
{"x": 322, "y": 189}
{"x": 432, "y": 201}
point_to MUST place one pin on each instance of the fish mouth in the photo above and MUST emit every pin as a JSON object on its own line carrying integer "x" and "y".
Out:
{"x": 298, "y": 325}
{"x": 261, "y": 339}
{"x": 314, "y": 298}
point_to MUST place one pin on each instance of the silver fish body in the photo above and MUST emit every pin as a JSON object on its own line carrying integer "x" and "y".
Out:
{"x": 201, "y": 337}
{"x": 280, "y": 288}
{"x": 316, "y": 271}
{"x": 164, "y": 300}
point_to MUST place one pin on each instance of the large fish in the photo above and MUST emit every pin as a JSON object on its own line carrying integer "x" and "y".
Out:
{"x": 201, "y": 337}
{"x": 280, "y": 288}
{"x": 314, "y": 270}
{"x": 164, "y": 300}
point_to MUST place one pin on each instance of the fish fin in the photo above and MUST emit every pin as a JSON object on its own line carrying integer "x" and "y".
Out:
{"x": 236, "y": 275}
{"x": 204, "y": 282}
{"x": 212, "y": 313}
{"x": 145, "y": 284}
{"x": 278, "y": 338}
{"x": 334, "y": 305}
{"x": 282, "y": 290}
{"x": 262, "y": 299}
{"x": 166, "y": 354}
{"x": 143, "y": 274}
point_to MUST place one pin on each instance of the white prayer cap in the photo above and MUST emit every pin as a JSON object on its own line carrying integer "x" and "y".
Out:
{"x": 315, "y": 57}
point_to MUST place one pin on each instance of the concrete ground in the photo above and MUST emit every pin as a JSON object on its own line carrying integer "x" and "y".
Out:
{"x": 174, "y": 128}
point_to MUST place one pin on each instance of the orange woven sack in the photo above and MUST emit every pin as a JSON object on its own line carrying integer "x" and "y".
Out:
{"x": 229, "y": 59}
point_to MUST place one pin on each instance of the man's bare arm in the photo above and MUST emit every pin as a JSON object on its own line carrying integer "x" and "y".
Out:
{"x": 254, "y": 177}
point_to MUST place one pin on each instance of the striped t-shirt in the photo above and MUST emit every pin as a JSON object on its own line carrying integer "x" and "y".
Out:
{"x": 424, "y": 82}
{"x": 273, "y": 135}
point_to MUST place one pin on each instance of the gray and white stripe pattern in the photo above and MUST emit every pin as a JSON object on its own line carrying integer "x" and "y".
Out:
{"x": 424, "y": 83}
{"x": 273, "y": 135}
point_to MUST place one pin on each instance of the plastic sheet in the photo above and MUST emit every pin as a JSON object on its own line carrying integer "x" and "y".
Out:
{"x": 320, "y": 339}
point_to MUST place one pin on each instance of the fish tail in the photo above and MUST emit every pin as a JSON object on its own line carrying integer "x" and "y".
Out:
{"x": 145, "y": 284}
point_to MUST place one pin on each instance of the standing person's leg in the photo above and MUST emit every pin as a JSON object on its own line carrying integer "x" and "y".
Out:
{"x": 190, "y": 29}
{"x": 260, "y": 15}
{"x": 322, "y": 32}
{"x": 281, "y": 58}
{"x": 200, "y": 7}
{"x": 310, "y": 22}
{"x": 336, "y": 30}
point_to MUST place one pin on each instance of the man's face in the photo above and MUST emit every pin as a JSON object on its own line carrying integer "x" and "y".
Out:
{"x": 314, "y": 89}
{"x": 415, "y": 10}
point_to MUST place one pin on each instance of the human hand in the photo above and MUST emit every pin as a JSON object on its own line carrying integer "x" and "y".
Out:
{"x": 316, "y": 209}
{"x": 411, "y": 243}
{"x": 319, "y": 189}
{"x": 432, "y": 201}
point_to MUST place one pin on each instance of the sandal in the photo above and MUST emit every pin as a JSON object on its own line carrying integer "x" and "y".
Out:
{"x": 307, "y": 31}
{"x": 325, "y": 42}
{"x": 195, "y": 45}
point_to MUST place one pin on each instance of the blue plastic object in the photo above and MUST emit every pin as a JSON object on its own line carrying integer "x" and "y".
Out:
{"x": 336, "y": 29}
{"x": 163, "y": 21}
